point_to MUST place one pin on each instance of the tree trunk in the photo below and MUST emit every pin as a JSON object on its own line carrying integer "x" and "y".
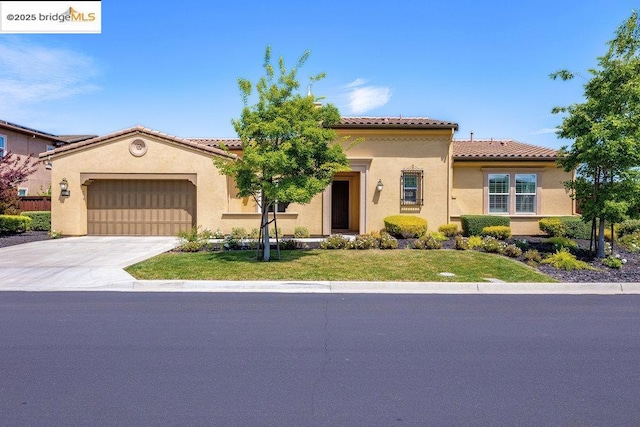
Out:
{"x": 266, "y": 247}
{"x": 600, "y": 251}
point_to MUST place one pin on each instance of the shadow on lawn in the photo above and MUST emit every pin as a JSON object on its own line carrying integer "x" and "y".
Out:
{"x": 251, "y": 257}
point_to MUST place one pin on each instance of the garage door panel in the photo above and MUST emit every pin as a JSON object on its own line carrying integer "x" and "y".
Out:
{"x": 140, "y": 207}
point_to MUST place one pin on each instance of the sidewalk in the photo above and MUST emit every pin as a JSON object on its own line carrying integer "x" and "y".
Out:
{"x": 96, "y": 264}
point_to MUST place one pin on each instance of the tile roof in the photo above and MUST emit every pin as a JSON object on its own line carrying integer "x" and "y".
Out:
{"x": 75, "y": 138}
{"x": 231, "y": 143}
{"x": 136, "y": 129}
{"x": 500, "y": 149}
{"x": 394, "y": 122}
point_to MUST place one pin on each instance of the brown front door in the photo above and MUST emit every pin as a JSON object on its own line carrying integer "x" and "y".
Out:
{"x": 340, "y": 205}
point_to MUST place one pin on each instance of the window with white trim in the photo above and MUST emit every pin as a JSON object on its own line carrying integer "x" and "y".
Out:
{"x": 411, "y": 191}
{"x": 3, "y": 145}
{"x": 499, "y": 193}
{"x": 23, "y": 191}
{"x": 526, "y": 193}
{"x": 511, "y": 193}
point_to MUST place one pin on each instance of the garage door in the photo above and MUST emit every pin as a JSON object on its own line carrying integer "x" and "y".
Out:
{"x": 140, "y": 207}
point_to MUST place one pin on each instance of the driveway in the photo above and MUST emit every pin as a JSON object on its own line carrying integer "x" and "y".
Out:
{"x": 76, "y": 262}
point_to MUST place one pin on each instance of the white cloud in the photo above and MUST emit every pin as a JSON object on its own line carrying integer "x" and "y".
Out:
{"x": 30, "y": 74}
{"x": 545, "y": 131}
{"x": 364, "y": 98}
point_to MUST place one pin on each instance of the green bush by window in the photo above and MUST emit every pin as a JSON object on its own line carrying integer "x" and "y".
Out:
{"x": 13, "y": 224}
{"x": 576, "y": 228}
{"x": 405, "y": 226}
{"x": 472, "y": 225}
{"x": 40, "y": 220}
{"x": 552, "y": 227}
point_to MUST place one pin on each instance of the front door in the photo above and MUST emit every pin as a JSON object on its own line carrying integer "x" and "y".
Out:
{"x": 340, "y": 205}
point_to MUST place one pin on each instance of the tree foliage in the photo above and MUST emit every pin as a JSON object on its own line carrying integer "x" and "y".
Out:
{"x": 605, "y": 130}
{"x": 14, "y": 170}
{"x": 290, "y": 152}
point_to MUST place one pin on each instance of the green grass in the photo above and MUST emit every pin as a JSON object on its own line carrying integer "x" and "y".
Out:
{"x": 338, "y": 265}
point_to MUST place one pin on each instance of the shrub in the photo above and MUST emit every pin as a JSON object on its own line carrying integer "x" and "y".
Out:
{"x": 335, "y": 241}
{"x": 40, "y": 220}
{"x": 563, "y": 260}
{"x": 532, "y": 257}
{"x": 461, "y": 243}
{"x": 53, "y": 234}
{"x": 289, "y": 244}
{"x": 405, "y": 226}
{"x": 231, "y": 243}
{"x": 427, "y": 242}
{"x": 629, "y": 226}
{"x": 272, "y": 232}
{"x": 472, "y": 225}
{"x": 631, "y": 242}
{"x": 576, "y": 228}
{"x": 13, "y": 224}
{"x": 562, "y": 243}
{"x": 239, "y": 233}
{"x": 493, "y": 245}
{"x": 475, "y": 242}
{"x": 613, "y": 261}
{"x": 255, "y": 233}
{"x": 363, "y": 241}
{"x": 512, "y": 251}
{"x": 387, "y": 241}
{"x": 449, "y": 230}
{"x": 498, "y": 231}
{"x": 439, "y": 236}
{"x": 218, "y": 234}
{"x": 195, "y": 239}
{"x": 522, "y": 244}
{"x": 301, "y": 233}
{"x": 552, "y": 226}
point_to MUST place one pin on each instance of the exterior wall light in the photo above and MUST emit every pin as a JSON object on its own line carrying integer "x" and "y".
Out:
{"x": 379, "y": 187}
{"x": 64, "y": 188}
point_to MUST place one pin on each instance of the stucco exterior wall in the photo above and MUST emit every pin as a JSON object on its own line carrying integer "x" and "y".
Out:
{"x": 388, "y": 153}
{"x": 469, "y": 193}
{"x": 26, "y": 144}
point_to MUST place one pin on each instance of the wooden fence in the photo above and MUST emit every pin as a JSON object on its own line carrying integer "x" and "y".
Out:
{"x": 35, "y": 203}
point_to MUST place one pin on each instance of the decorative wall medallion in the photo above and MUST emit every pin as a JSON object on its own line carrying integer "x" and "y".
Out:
{"x": 138, "y": 148}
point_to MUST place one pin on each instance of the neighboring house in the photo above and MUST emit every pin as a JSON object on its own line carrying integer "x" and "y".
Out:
{"x": 24, "y": 141}
{"x": 139, "y": 181}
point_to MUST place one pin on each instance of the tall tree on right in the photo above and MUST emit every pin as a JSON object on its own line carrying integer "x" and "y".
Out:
{"x": 605, "y": 130}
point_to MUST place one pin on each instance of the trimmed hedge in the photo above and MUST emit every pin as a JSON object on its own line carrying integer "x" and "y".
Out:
{"x": 40, "y": 220}
{"x": 472, "y": 225}
{"x": 405, "y": 226}
{"x": 553, "y": 227}
{"x": 12, "y": 224}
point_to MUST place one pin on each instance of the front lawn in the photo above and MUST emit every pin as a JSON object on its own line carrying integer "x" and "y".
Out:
{"x": 338, "y": 265}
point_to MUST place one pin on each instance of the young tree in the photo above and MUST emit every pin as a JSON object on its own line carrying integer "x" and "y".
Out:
{"x": 605, "y": 129}
{"x": 289, "y": 149}
{"x": 14, "y": 170}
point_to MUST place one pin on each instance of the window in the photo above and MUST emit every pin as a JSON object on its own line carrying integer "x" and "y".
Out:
{"x": 50, "y": 148}
{"x": 512, "y": 193}
{"x": 526, "y": 193}
{"x": 499, "y": 193}
{"x": 22, "y": 191}
{"x": 278, "y": 207}
{"x": 3, "y": 145}
{"x": 411, "y": 191}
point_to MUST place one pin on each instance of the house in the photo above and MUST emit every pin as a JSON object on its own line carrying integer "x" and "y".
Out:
{"x": 139, "y": 181}
{"x": 24, "y": 141}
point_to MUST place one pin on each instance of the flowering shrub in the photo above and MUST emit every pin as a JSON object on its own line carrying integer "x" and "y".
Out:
{"x": 512, "y": 251}
{"x": 335, "y": 241}
{"x": 461, "y": 243}
{"x": 427, "y": 242}
{"x": 493, "y": 245}
{"x": 363, "y": 241}
{"x": 614, "y": 261}
{"x": 387, "y": 241}
{"x": 631, "y": 242}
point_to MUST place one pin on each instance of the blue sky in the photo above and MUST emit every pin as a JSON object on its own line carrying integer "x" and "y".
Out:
{"x": 173, "y": 66}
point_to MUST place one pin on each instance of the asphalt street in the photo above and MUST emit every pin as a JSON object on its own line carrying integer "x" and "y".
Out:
{"x": 105, "y": 358}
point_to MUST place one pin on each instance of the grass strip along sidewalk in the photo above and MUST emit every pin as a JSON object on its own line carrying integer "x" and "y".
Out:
{"x": 338, "y": 265}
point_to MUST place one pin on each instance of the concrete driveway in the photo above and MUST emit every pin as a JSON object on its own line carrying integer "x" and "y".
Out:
{"x": 76, "y": 262}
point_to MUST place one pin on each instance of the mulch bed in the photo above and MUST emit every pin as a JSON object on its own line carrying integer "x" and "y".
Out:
{"x": 630, "y": 272}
